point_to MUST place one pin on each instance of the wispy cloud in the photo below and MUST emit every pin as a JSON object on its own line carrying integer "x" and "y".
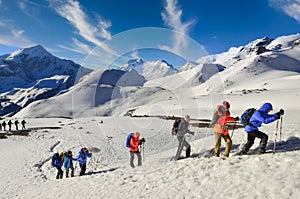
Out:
{"x": 289, "y": 7}
{"x": 10, "y": 36}
{"x": 172, "y": 17}
{"x": 73, "y": 12}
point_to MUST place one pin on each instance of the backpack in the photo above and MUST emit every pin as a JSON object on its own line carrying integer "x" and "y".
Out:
{"x": 128, "y": 140}
{"x": 215, "y": 118}
{"x": 245, "y": 117}
{"x": 54, "y": 157}
{"x": 175, "y": 126}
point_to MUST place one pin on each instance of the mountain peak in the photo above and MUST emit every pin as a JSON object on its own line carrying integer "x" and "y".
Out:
{"x": 31, "y": 52}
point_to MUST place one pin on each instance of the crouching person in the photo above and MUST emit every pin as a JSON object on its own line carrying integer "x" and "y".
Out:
{"x": 68, "y": 163}
{"x": 57, "y": 162}
{"x": 82, "y": 157}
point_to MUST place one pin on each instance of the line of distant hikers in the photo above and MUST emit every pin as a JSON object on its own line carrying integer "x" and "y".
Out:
{"x": 252, "y": 119}
{"x": 10, "y": 123}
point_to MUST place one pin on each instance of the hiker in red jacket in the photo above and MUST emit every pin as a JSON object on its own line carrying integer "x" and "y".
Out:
{"x": 134, "y": 148}
{"x": 221, "y": 128}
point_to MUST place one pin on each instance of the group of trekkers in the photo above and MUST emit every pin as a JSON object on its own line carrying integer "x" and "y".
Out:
{"x": 65, "y": 159}
{"x": 10, "y": 123}
{"x": 180, "y": 128}
{"x": 220, "y": 126}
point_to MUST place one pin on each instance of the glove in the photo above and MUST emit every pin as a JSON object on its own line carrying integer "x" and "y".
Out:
{"x": 236, "y": 118}
{"x": 277, "y": 115}
{"x": 281, "y": 112}
{"x": 143, "y": 140}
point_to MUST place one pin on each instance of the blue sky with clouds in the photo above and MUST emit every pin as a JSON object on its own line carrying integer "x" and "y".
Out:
{"x": 100, "y": 32}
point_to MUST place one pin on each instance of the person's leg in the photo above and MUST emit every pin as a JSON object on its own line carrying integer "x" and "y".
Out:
{"x": 82, "y": 169}
{"x": 187, "y": 148}
{"x": 250, "y": 141}
{"x": 72, "y": 171}
{"x": 263, "y": 141}
{"x": 131, "y": 159}
{"x": 67, "y": 172}
{"x": 228, "y": 144}
{"x": 139, "y": 158}
{"x": 61, "y": 173}
{"x": 58, "y": 173}
{"x": 180, "y": 147}
{"x": 218, "y": 144}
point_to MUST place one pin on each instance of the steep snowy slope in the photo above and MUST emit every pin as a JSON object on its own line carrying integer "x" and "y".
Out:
{"x": 91, "y": 96}
{"x": 150, "y": 69}
{"x": 28, "y": 74}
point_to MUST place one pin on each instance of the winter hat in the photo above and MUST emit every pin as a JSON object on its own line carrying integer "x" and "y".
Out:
{"x": 136, "y": 134}
{"x": 226, "y": 104}
{"x": 61, "y": 153}
{"x": 187, "y": 117}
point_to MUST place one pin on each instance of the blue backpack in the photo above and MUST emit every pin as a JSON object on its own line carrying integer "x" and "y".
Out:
{"x": 54, "y": 157}
{"x": 246, "y": 116}
{"x": 128, "y": 140}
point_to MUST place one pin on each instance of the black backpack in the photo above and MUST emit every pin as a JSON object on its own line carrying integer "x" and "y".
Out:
{"x": 245, "y": 117}
{"x": 215, "y": 118}
{"x": 175, "y": 126}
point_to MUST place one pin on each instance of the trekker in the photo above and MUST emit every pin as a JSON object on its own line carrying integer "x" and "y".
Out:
{"x": 68, "y": 163}
{"x": 257, "y": 119}
{"x": 9, "y": 125}
{"x": 135, "y": 142}
{"x": 82, "y": 157}
{"x": 4, "y": 125}
{"x": 16, "y": 124}
{"x": 221, "y": 128}
{"x": 23, "y": 124}
{"x": 58, "y": 163}
{"x": 0, "y": 127}
{"x": 182, "y": 130}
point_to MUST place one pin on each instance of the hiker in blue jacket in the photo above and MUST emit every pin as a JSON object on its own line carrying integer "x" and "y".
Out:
{"x": 58, "y": 163}
{"x": 68, "y": 163}
{"x": 257, "y": 119}
{"x": 82, "y": 157}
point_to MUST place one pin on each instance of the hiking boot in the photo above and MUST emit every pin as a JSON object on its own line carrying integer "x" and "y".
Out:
{"x": 242, "y": 153}
{"x": 261, "y": 151}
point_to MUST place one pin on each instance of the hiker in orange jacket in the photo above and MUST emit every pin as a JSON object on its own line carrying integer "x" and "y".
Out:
{"x": 221, "y": 128}
{"x": 134, "y": 148}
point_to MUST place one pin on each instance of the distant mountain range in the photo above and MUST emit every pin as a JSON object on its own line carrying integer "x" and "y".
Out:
{"x": 150, "y": 69}
{"x": 31, "y": 74}
{"x": 36, "y": 84}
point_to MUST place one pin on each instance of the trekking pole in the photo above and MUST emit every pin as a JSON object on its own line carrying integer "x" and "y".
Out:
{"x": 274, "y": 149}
{"x": 280, "y": 132}
{"x": 234, "y": 125}
{"x": 143, "y": 151}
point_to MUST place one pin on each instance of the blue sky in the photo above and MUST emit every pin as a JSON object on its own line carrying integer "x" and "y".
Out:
{"x": 98, "y": 33}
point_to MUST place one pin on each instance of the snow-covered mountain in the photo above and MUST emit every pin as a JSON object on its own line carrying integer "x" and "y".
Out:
{"x": 31, "y": 74}
{"x": 252, "y": 75}
{"x": 150, "y": 69}
{"x": 98, "y": 93}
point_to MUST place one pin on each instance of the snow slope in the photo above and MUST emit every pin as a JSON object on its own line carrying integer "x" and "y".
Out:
{"x": 26, "y": 171}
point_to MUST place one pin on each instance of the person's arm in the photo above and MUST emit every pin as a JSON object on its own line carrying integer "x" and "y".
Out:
{"x": 88, "y": 154}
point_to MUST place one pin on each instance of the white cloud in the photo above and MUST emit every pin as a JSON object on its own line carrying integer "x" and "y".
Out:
{"x": 171, "y": 16}
{"x": 72, "y": 11}
{"x": 289, "y": 7}
{"x": 13, "y": 37}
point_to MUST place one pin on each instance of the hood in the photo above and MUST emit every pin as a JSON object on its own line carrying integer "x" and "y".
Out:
{"x": 265, "y": 107}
